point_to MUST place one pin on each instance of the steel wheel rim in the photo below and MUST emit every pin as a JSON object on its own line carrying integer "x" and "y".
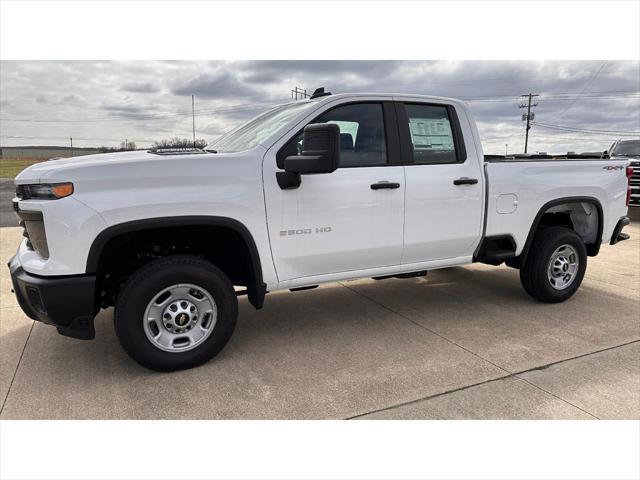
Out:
{"x": 180, "y": 317}
{"x": 563, "y": 267}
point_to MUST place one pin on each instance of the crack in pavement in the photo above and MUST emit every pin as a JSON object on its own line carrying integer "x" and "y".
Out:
{"x": 512, "y": 375}
{"x": 24, "y": 347}
{"x": 509, "y": 374}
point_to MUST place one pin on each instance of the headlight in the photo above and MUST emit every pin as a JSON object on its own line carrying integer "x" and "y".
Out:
{"x": 44, "y": 191}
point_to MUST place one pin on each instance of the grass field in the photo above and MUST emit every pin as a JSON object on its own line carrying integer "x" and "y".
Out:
{"x": 10, "y": 167}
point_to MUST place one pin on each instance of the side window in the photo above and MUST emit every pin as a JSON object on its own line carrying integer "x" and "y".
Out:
{"x": 362, "y": 135}
{"x": 431, "y": 134}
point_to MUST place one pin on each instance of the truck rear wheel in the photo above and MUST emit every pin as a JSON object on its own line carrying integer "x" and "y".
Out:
{"x": 555, "y": 266}
{"x": 175, "y": 313}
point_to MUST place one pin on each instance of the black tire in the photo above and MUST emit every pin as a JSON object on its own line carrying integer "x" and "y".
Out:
{"x": 533, "y": 274}
{"x": 151, "y": 279}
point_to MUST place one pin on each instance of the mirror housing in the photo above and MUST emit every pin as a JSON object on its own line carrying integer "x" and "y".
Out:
{"x": 321, "y": 154}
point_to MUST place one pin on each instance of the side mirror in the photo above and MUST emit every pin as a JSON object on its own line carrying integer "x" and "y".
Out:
{"x": 605, "y": 154}
{"x": 321, "y": 154}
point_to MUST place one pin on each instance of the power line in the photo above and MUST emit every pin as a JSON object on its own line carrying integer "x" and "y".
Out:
{"x": 587, "y": 131}
{"x": 586, "y": 85}
{"x": 67, "y": 138}
{"x": 119, "y": 118}
{"x": 556, "y": 97}
{"x": 559, "y": 94}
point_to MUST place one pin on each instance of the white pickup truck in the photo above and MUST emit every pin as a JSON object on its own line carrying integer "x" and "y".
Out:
{"x": 333, "y": 188}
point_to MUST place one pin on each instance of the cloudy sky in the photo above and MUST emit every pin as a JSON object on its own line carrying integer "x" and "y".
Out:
{"x": 583, "y": 105}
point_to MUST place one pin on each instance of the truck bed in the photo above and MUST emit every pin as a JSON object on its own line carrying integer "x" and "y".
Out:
{"x": 518, "y": 189}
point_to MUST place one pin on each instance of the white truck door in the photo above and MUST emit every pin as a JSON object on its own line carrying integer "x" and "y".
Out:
{"x": 444, "y": 192}
{"x": 351, "y": 219}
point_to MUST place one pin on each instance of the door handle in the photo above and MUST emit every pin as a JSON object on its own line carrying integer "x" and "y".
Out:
{"x": 465, "y": 181}
{"x": 380, "y": 185}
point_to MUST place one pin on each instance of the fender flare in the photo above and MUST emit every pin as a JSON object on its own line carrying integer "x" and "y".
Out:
{"x": 592, "y": 248}
{"x": 256, "y": 288}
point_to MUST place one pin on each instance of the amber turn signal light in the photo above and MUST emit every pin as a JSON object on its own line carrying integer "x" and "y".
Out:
{"x": 60, "y": 190}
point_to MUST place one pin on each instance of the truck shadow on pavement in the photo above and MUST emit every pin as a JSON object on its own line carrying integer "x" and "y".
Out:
{"x": 333, "y": 352}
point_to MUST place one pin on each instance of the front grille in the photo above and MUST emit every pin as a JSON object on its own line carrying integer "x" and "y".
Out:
{"x": 33, "y": 224}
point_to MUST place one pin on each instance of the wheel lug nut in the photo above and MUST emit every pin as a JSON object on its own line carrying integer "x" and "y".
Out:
{"x": 183, "y": 304}
{"x": 173, "y": 308}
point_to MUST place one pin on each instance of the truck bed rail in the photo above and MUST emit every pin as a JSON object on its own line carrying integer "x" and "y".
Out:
{"x": 539, "y": 157}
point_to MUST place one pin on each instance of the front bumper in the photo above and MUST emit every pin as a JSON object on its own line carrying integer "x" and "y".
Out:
{"x": 66, "y": 302}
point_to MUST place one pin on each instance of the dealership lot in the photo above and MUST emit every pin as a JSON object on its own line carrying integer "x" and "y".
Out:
{"x": 459, "y": 343}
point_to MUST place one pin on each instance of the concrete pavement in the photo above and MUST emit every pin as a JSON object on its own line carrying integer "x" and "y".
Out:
{"x": 459, "y": 343}
{"x": 7, "y": 192}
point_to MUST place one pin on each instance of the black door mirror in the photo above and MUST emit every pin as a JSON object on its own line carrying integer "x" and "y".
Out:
{"x": 320, "y": 154}
{"x": 321, "y": 150}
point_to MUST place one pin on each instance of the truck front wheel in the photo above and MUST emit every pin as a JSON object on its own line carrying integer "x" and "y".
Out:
{"x": 555, "y": 266}
{"x": 175, "y": 313}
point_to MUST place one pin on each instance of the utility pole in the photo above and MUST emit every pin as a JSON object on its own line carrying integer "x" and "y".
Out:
{"x": 528, "y": 116}
{"x": 193, "y": 115}
{"x": 71, "y": 139}
{"x": 506, "y": 149}
{"x": 302, "y": 92}
{"x": 125, "y": 143}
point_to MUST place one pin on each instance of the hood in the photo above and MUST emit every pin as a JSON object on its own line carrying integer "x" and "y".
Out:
{"x": 54, "y": 170}
{"x": 131, "y": 169}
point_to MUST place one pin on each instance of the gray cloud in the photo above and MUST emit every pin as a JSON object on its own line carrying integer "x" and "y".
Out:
{"x": 71, "y": 99}
{"x": 147, "y": 87}
{"x": 216, "y": 85}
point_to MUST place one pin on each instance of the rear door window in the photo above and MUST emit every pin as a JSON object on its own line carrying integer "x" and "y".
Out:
{"x": 431, "y": 132}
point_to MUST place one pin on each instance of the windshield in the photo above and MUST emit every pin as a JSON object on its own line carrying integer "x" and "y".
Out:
{"x": 260, "y": 128}
{"x": 627, "y": 148}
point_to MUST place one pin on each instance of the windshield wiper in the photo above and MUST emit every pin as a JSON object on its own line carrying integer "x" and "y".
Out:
{"x": 210, "y": 151}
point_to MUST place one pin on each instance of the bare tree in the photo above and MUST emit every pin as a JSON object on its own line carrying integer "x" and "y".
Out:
{"x": 121, "y": 148}
{"x": 127, "y": 146}
{"x": 178, "y": 143}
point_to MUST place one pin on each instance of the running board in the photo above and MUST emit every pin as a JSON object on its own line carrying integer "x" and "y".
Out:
{"x": 299, "y": 289}
{"x": 419, "y": 273}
